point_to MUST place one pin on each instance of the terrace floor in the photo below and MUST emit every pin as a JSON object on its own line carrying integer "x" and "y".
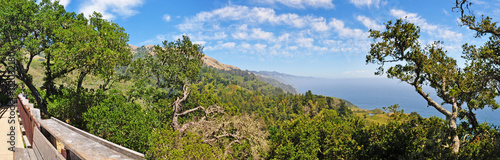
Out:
{"x": 9, "y": 138}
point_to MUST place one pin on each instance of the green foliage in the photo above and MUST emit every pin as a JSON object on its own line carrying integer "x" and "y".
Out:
{"x": 254, "y": 96}
{"x": 480, "y": 146}
{"x": 20, "y": 39}
{"x": 62, "y": 105}
{"x": 93, "y": 46}
{"x": 121, "y": 122}
{"x": 433, "y": 67}
{"x": 326, "y": 136}
{"x": 329, "y": 136}
{"x": 170, "y": 67}
{"x": 396, "y": 114}
{"x": 168, "y": 144}
{"x": 344, "y": 110}
{"x": 409, "y": 139}
{"x": 68, "y": 42}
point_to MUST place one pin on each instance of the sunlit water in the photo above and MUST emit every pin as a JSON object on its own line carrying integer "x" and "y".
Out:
{"x": 381, "y": 92}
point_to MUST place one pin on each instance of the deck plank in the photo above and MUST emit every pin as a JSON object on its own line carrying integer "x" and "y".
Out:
{"x": 23, "y": 154}
{"x": 80, "y": 144}
{"x": 44, "y": 147}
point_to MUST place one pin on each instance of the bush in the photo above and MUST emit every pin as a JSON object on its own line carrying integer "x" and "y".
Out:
{"x": 121, "y": 122}
{"x": 168, "y": 144}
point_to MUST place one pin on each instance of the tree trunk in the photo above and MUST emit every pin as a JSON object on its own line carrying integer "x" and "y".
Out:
{"x": 38, "y": 98}
{"x": 23, "y": 76}
{"x": 77, "y": 109}
{"x": 80, "y": 81}
{"x": 451, "y": 117}
{"x": 472, "y": 118}
{"x": 453, "y": 125}
{"x": 456, "y": 141}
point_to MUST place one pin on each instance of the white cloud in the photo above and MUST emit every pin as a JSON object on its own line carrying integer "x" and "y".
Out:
{"x": 284, "y": 37}
{"x": 260, "y": 46}
{"x": 276, "y": 46}
{"x": 431, "y": 29}
{"x": 319, "y": 24}
{"x": 245, "y": 45}
{"x": 345, "y": 32}
{"x": 62, "y": 2}
{"x": 316, "y": 48}
{"x": 243, "y": 27}
{"x": 228, "y": 45}
{"x": 369, "y": 23}
{"x": 111, "y": 8}
{"x": 257, "y": 33}
{"x": 301, "y": 4}
{"x": 216, "y": 35}
{"x": 331, "y": 42}
{"x": 240, "y": 35}
{"x": 263, "y": 31}
{"x": 166, "y": 17}
{"x": 200, "y": 42}
{"x": 305, "y": 42}
{"x": 255, "y": 15}
{"x": 220, "y": 46}
{"x": 368, "y": 3}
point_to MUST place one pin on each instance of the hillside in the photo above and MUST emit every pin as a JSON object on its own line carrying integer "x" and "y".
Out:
{"x": 211, "y": 62}
{"x": 277, "y": 83}
{"x": 282, "y": 77}
{"x": 142, "y": 51}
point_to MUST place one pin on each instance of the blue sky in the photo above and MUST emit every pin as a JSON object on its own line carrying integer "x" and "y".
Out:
{"x": 319, "y": 38}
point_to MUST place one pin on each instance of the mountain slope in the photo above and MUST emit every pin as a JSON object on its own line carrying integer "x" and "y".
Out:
{"x": 211, "y": 62}
{"x": 142, "y": 51}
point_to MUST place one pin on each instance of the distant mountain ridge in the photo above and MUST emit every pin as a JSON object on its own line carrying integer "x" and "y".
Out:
{"x": 139, "y": 52}
{"x": 298, "y": 82}
{"x": 282, "y": 77}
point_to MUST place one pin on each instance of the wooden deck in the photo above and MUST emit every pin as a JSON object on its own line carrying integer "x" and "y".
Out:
{"x": 85, "y": 145}
{"x": 51, "y": 136}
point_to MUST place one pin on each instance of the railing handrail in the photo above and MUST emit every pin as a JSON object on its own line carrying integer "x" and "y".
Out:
{"x": 31, "y": 122}
{"x": 27, "y": 119}
{"x": 114, "y": 146}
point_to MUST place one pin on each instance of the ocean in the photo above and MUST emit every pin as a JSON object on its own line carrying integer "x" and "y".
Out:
{"x": 382, "y": 92}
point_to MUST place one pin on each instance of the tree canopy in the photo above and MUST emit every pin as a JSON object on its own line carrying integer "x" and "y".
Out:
{"x": 69, "y": 42}
{"x": 466, "y": 89}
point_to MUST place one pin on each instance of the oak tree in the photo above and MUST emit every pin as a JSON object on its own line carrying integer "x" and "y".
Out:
{"x": 431, "y": 66}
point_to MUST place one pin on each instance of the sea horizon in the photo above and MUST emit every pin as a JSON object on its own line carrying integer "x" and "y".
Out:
{"x": 372, "y": 93}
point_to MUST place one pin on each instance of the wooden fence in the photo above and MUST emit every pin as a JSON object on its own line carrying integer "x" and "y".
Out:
{"x": 54, "y": 139}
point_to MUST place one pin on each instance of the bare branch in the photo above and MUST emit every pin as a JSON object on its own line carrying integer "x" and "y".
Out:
{"x": 432, "y": 102}
{"x": 189, "y": 111}
{"x": 177, "y": 108}
{"x": 186, "y": 125}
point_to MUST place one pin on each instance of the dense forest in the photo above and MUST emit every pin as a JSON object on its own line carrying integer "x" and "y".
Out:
{"x": 162, "y": 100}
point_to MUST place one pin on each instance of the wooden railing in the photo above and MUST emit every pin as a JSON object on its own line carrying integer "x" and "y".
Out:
{"x": 28, "y": 120}
{"x": 48, "y": 136}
